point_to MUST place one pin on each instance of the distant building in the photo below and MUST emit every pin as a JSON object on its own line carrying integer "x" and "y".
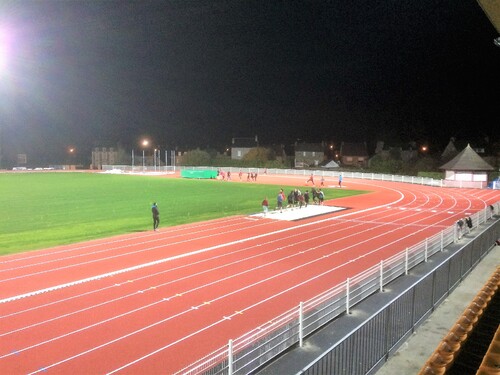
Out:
{"x": 22, "y": 160}
{"x": 354, "y": 154}
{"x": 467, "y": 169}
{"x": 241, "y": 146}
{"x": 103, "y": 156}
{"x": 407, "y": 152}
{"x": 309, "y": 154}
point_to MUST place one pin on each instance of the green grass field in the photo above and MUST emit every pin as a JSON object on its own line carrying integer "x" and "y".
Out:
{"x": 46, "y": 209}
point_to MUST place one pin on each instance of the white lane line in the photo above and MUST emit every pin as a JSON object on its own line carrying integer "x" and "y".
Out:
{"x": 160, "y": 261}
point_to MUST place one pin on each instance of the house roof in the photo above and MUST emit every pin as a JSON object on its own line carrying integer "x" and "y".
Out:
{"x": 244, "y": 142}
{"x": 450, "y": 150}
{"x": 467, "y": 160}
{"x": 308, "y": 147}
{"x": 353, "y": 149}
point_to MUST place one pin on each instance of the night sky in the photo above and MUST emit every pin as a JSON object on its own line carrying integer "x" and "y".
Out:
{"x": 195, "y": 73}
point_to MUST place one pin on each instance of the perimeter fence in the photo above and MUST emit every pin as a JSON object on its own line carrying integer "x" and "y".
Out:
{"x": 348, "y": 174}
{"x": 249, "y": 352}
{"x": 301, "y": 172}
{"x": 139, "y": 169}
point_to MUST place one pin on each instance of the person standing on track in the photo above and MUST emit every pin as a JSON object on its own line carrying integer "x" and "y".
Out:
{"x": 460, "y": 226}
{"x": 279, "y": 200}
{"x": 321, "y": 196}
{"x": 265, "y": 206}
{"x": 340, "y": 180}
{"x": 156, "y": 216}
{"x": 311, "y": 179}
{"x": 468, "y": 221}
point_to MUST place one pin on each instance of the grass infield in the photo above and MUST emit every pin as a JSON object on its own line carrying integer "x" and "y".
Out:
{"x": 41, "y": 210}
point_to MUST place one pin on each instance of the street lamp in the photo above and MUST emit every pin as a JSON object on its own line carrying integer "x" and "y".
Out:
{"x": 71, "y": 156}
{"x": 154, "y": 158}
{"x": 145, "y": 144}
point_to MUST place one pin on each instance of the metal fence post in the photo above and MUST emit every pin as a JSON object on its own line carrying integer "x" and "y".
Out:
{"x": 426, "y": 249}
{"x": 381, "y": 275}
{"x": 442, "y": 240}
{"x": 406, "y": 261}
{"x": 347, "y": 296}
{"x": 230, "y": 357}
{"x": 301, "y": 324}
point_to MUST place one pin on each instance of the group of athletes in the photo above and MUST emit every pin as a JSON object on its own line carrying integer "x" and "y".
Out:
{"x": 295, "y": 199}
{"x": 226, "y": 176}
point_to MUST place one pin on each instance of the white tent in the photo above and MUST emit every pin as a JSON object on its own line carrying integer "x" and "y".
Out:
{"x": 330, "y": 164}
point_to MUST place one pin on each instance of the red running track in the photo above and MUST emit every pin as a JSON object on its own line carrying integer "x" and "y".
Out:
{"x": 153, "y": 302}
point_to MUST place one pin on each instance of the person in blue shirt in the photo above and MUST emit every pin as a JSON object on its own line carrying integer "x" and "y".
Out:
{"x": 279, "y": 200}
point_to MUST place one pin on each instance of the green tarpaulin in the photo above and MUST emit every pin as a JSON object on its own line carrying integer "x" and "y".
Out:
{"x": 198, "y": 174}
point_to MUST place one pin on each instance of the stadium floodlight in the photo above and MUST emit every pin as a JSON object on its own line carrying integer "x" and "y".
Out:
{"x": 3, "y": 50}
{"x": 497, "y": 41}
{"x": 144, "y": 143}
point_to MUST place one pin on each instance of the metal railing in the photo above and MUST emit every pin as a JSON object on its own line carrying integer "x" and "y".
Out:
{"x": 250, "y": 351}
{"x": 364, "y": 349}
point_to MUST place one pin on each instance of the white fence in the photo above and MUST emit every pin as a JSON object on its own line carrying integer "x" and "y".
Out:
{"x": 305, "y": 173}
{"x": 139, "y": 169}
{"x": 250, "y": 351}
{"x": 358, "y": 175}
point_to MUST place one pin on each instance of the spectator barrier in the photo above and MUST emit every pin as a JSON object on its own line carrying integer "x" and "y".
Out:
{"x": 381, "y": 333}
{"x": 450, "y": 348}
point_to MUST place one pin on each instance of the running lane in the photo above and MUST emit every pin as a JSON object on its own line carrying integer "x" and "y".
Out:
{"x": 154, "y": 302}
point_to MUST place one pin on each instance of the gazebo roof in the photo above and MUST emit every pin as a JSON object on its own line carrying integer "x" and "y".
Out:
{"x": 467, "y": 160}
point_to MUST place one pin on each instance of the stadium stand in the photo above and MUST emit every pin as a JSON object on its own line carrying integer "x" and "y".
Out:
{"x": 472, "y": 345}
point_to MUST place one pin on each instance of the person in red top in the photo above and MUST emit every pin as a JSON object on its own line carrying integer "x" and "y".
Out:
{"x": 311, "y": 179}
{"x": 265, "y": 206}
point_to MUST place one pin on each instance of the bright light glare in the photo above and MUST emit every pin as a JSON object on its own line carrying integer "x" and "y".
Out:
{"x": 3, "y": 53}
{"x": 4, "y": 48}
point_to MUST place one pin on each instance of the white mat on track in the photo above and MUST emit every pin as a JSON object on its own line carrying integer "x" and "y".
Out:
{"x": 291, "y": 214}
